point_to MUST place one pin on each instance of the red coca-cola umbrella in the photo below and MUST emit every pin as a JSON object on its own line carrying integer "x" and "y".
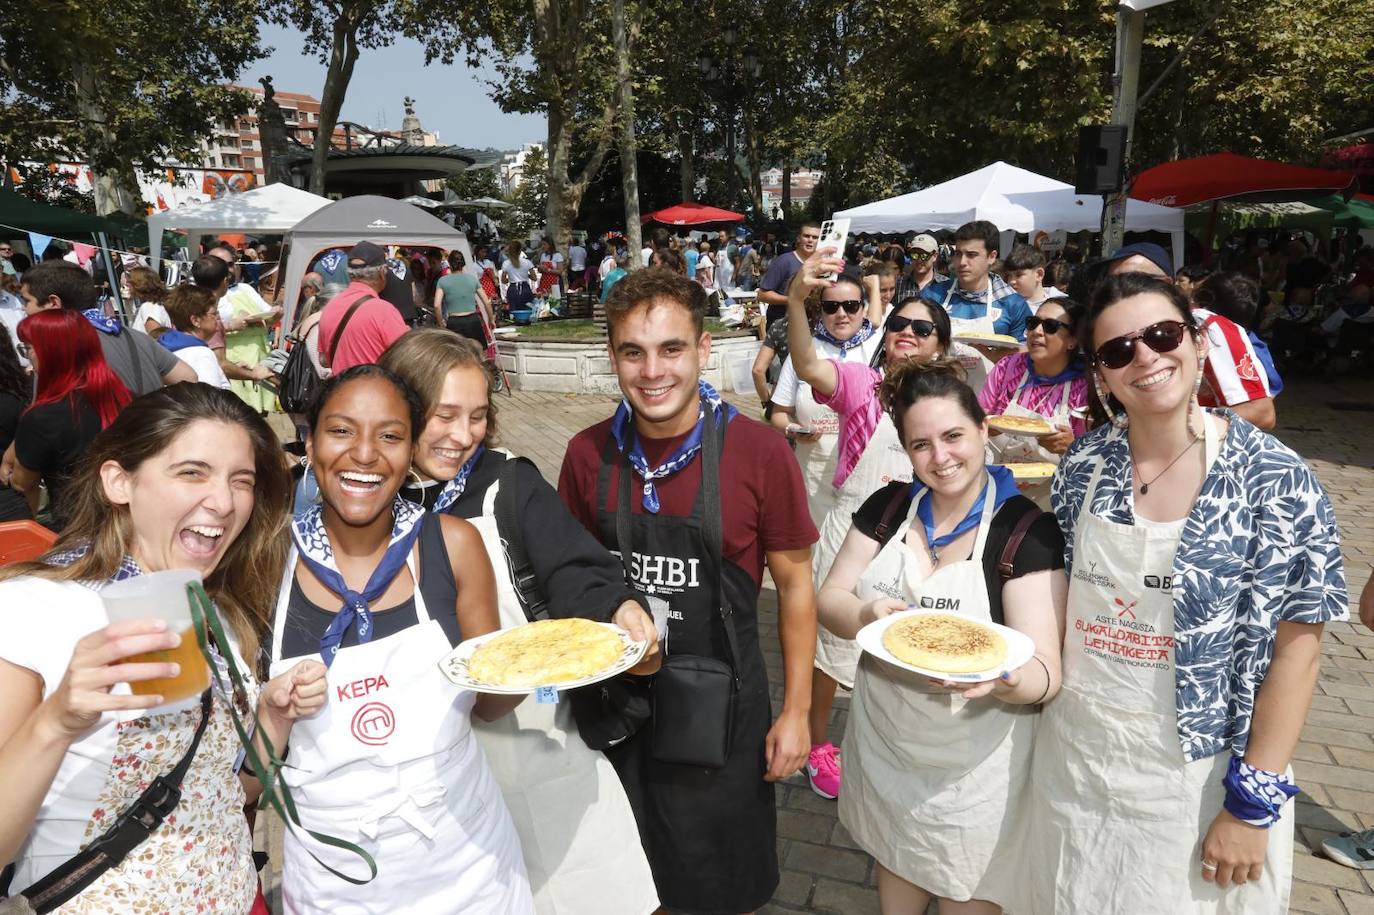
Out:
{"x": 696, "y": 215}
{"x": 1227, "y": 176}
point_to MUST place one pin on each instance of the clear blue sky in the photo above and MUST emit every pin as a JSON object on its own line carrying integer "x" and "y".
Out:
{"x": 450, "y": 100}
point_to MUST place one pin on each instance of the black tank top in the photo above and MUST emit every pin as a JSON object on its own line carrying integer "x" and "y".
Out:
{"x": 306, "y": 622}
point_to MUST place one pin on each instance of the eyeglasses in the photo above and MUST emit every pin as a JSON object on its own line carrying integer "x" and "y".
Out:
{"x": 918, "y": 254}
{"x": 850, "y": 306}
{"x": 1162, "y": 337}
{"x": 919, "y": 326}
{"x": 1051, "y": 325}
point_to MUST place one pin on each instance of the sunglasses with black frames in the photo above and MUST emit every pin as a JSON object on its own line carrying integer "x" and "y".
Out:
{"x": 1162, "y": 337}
{"x": 919, "y": 326}
{"x": 850, "y": 306}
{"x": 1051, "y": 325}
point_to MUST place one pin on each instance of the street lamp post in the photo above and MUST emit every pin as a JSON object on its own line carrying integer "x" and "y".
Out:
{"x": 730, "y": 78}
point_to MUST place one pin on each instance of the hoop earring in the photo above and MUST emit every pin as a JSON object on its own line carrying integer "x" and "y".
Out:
{"x": 1119, "y": 420}
{"x": 419, "y": 481}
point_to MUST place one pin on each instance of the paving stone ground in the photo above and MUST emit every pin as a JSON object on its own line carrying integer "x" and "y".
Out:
{"x": 1332, "y": 426}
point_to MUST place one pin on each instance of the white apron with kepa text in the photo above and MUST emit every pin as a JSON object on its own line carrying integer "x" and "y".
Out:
{"x": 390, "y": 763}
{"x": 575, "y": 824}
{"x": 882, "y": 461}
{"x": 975, "y": 363}
{"x": 934, "y": 783}
{"x": 1117, "y": 814}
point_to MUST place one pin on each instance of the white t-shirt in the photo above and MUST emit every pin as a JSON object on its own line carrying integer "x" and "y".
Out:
{"x": 647, "y": 255}
{"x": 149, "y": 310}
{"x": 241, "y": 299}
{"x": 1049, "y": 293}
{"x": 42, "y": 621}
{"x": 206, "y": 365}
{"x": 785, "y": 392}
{"x": 519, "y": 272}
{"x": 607, "y": 265}
{"x": 577, "y": 258}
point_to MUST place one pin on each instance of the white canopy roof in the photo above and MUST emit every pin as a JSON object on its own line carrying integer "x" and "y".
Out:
{"x": 273, "y": 209}
{"x": 1014, "y": 200}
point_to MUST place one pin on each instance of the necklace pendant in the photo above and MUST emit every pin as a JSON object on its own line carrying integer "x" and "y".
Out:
{"x": 1144, "y": 488}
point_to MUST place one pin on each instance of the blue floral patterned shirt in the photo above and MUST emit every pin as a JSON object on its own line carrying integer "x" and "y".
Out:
{"x": 1260, "y": 546}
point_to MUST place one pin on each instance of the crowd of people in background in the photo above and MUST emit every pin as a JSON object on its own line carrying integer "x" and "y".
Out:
{"x": 1153, "y": 723}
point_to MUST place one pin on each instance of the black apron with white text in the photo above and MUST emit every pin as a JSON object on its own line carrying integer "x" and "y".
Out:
{"x": 710, "y": 834}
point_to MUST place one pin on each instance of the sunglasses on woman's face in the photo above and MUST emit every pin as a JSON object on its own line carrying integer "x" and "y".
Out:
{"x": 850, "y": 306}
{"x": 1162, "y": 337}
{"x": 1051, "y": 325}
{"x": 919, "y": 326}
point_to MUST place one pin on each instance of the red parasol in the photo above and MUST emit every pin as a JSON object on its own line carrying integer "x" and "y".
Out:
{"x": 692, "y": 214}
{"x": 1227, "y": 176}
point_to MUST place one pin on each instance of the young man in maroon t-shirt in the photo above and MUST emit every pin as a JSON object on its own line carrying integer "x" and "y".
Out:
{"x": 704, "y": 518}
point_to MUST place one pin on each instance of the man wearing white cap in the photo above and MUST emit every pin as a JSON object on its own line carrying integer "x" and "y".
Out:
{"x": 921, "y": 272}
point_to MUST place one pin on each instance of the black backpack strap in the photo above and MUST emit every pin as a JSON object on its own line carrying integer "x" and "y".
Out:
{"x": 134, "y": 825}
{"x": 339, "y": 332}
{"x": 522, "y": 575}
{"x": 712, "y": 444}
{"x": 900, "y": 496}
{"x": 1018, "y": 533}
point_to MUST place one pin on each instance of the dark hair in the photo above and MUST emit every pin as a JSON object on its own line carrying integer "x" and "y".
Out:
{"x": 894, "y": 256}
{"x": 671, "y": 260}
{"x": 880, "y": 268}
{"x": 1194, "y": 272}
{"x": 331, "y": 385}
{"x": 979, "y": 230}
{"x": 1023, "y": 257}
{"x": 907, "y": 384}
{"x": 72, "y": 285}
{"x": 1232, "y": 295}
{"x": 13, "y": 381}
{"x": 456, "y": 261}
{"x": 656, "y": 286}
{"x": 186, "y": 302}
{"x": 1074, "y": 311}
{"x": 209, "y": 271}
{"x": 1059, "y": 274}
{"x": 938, "y": 316}
{"x": 244, "y": 584}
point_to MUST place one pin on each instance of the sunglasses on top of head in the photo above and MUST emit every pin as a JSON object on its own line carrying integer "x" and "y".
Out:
{"x": 1051, "y": 325}
{"x": 919, "y": 326}
{"x": 1162, "y": 337}
{"x": 850, "y": 306}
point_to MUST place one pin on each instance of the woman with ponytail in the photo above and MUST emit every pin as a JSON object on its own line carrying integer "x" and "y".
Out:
{"x": 936, "y": 772}
{"x": 77, "y": 394}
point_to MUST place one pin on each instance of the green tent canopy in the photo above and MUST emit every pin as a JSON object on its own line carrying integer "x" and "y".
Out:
{"x": 20, "y": 215}
{"x": 1355, "y": 213}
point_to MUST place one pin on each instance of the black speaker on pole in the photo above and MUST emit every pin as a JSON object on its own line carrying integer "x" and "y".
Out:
{"x": 1101, "y": 159}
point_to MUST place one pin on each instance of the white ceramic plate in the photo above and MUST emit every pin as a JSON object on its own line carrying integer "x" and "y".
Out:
{"x": 455, "y": 665}
{"x": 1000, "y": 341}
{"x": 1020, "y": 648}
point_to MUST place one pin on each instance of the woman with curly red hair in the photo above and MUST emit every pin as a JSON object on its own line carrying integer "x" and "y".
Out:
{"x": 77, "y": 394}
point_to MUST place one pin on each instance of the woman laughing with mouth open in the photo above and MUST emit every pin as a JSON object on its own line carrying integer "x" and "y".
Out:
{"x": 380, "y": 590}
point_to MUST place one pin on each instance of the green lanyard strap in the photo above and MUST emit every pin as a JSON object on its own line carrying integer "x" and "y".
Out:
{"x": 275, "y": 792}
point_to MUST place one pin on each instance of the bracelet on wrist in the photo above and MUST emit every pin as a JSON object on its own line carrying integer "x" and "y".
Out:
{"x": 1256, "y": 796}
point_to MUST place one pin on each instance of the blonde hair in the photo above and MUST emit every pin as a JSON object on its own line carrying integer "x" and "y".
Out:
{"x": 244, "y": 584}
{"x": 424, "y": 357}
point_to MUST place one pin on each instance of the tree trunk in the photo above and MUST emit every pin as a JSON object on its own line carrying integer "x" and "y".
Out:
{"x": 343, "y": 54}
{"x": 557, "y": 151}
{"x": 687, "y": 167}
{"x": 755, "y": 170}
{"x": 115, "y": 189}
{"x": 629, "y": 163}
{"x": 786, "y": 191}
{"x": 731, "y": 166}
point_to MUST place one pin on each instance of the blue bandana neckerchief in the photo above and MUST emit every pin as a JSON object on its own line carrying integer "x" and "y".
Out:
{"x": 128, "y": 566}
{"x": 865, "y": 331}
{"x": 453, "y": 489}
{"x": 312, "y": 543}
{"x": 1074, "y": 370}
{"x": 622, "y": 428}
{"x": 103, "y": 322}
{"x": 176, "y": 340}
{"x": 1001, "y": 482}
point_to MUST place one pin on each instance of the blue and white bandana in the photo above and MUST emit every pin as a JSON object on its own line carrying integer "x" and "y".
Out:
{"x": 312, "y": 543}
{"x": 1001, "y": 483}
{"x": 128, "y": 566}
{"x": 103, "y": 322}
{"x": 622, "y": 428}
{"x": 865, "y": 331}
{"x": 454, "y": 488}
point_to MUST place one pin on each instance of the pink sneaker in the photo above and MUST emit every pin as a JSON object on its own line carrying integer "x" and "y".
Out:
{"x": 823, "y": 770}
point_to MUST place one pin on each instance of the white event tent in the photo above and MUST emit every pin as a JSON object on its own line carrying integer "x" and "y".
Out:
{"x": 273, "y": 209}
{"x": 1014, "y": 200}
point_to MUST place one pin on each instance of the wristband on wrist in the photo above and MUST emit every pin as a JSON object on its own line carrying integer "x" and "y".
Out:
{"x": 1255, "y": 796}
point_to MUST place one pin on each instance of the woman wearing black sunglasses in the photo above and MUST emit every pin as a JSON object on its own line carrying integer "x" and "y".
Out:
{"x": 1048, "y": 382}
{"x": 869, "y": 455}
{"x": 1203, "y": 560}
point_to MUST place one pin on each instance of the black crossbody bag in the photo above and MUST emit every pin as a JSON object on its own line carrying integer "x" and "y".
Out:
{"x": 134, "y": 825}
{"x": 693, "y": 696}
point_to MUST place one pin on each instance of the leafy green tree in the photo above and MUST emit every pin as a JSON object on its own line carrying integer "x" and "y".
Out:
{"x": 109, "y": 84}
{"x": 474, "y": 183}
{"x": 530, "y": 201}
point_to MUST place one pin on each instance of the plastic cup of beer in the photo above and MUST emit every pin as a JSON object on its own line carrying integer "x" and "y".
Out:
{"x": 161, "y": 595}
